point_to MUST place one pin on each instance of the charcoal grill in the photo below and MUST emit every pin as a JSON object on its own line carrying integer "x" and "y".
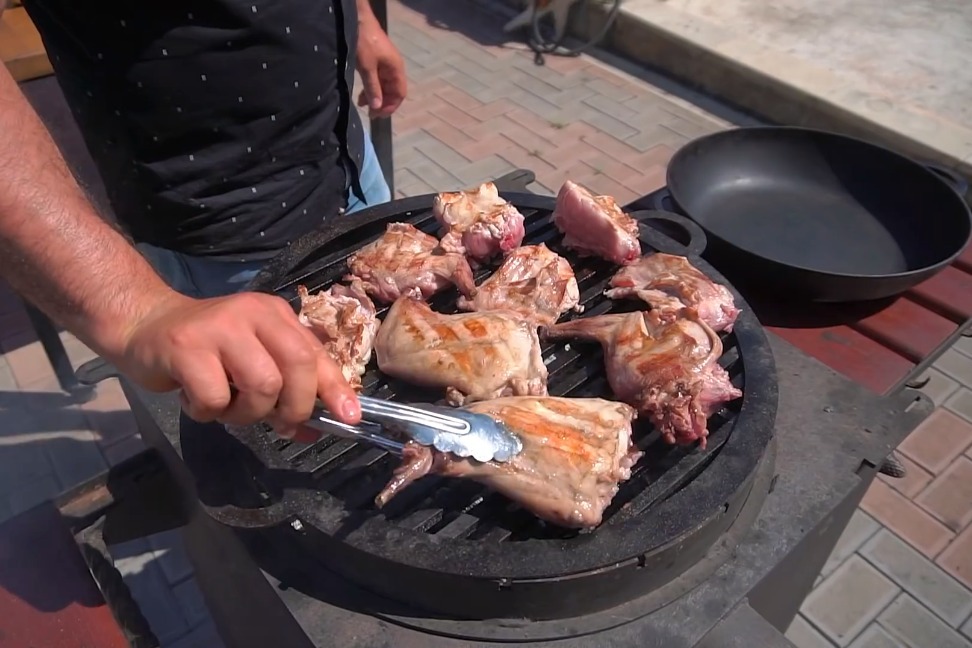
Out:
{"x": 465, "y": 552}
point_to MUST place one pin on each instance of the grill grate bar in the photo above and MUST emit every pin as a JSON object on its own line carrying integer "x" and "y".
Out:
{"x": 451, "y": 508}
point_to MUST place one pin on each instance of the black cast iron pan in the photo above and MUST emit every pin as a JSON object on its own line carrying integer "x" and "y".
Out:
{"x": 814, "y": 215}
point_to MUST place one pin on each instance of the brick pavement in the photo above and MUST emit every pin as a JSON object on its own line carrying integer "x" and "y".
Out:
{"x": 900, "y": 575}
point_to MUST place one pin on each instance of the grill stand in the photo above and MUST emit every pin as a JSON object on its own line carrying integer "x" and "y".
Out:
{"x": 831, "y": 435}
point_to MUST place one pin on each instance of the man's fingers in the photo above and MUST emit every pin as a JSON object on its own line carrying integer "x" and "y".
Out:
{"x": 205, "y": 388}
{"x": 296, "y": 357}
{"x": 372, "y": 88}
{"x": 255, "y": 376}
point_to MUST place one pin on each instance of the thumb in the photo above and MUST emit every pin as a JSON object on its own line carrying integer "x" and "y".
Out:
{"x": 372, "y": 89}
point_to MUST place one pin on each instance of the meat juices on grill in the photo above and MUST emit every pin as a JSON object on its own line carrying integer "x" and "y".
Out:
{"x": 576, "y": 451}
{"x": 668, "y": 370}
{"x": 473, "y": 356}
{"x": 669, "y": 283}
{"x": 596, "y": 225}
{"x": 343, "y": 318}
{"x": 406, "y": 260}
{"x": 534, "y": 282}
{"x": 478, "y": 222}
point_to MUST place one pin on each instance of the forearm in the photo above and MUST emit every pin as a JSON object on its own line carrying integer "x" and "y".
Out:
{"x": 54, "y": 249}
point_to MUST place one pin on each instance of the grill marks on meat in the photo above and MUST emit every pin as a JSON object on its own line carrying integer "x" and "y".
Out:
{"x": 473, "y": 356}
{"x": 596, "y": 225}
{"x": 407, "y": 261}
{"x": 478, "y": 222}
{"x": 534, "y": 282}
{"x": 669, "y": 370}
{"x": 669, "y": 283}
{"x": 344, "y": 319}
{"x": 576, "y": 451}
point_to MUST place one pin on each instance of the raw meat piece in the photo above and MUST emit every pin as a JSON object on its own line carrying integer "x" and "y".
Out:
{"x": 596, "y": 225}
{"x": 668, "y": 370}
{"x": 533, "y": 282}
{"x": 669, "y": 283}
{"x": 575, "y": 453}
{"x": 406, "y": 260}
{"x": 344, "y": 320}
{"x": 473, "y": 356}
{"x": 478, "y": 222}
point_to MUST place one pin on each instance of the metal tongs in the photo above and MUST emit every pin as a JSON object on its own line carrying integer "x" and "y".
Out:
{"x": 461, "y": 432}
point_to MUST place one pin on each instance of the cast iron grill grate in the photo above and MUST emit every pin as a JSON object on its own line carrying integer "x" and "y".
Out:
{"x": 454, "y": 528}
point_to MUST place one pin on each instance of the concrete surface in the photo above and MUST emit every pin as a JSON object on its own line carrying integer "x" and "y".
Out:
{"x": 478, "y": 108}
{"x": 898, "y": 74}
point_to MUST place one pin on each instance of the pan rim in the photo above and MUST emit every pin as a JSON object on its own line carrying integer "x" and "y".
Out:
{"x": 691, "y": 148}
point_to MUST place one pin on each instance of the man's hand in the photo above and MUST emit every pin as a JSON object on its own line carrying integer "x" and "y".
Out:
{"x": 238, "y": 359}
{"x": 381, "y": 67}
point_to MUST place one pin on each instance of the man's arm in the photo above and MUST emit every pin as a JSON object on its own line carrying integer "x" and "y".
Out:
{"x": 238, "y": 359}
{"x": 47, "y": 224}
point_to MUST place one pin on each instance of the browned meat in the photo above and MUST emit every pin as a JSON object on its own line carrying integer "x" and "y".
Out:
{"x": 669, "y": 283}
{"x": 534, "y": 282}
{"x": 478, "y": 222}
{"x": 575, "y": 453}
{"x": 344, "y": 320}
{"x": 596, "y": 225}
{"x": 406, "y": 260}
{"x": 473, "y": 356}
{"x": 670, "y": 371}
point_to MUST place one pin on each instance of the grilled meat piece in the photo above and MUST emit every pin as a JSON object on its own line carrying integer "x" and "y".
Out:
{"x": 534, "y": 282}
{"x": 670, "y": 283}
{"x": 478, "y": 222}
{"x": 596, "y": 225}
{"x": 473, "y": 356}
{"x": 575, "y": 453}
{"x": 406, "y": 260}
{"x": 343, "y": 318}
{"x": 668, "y": 370}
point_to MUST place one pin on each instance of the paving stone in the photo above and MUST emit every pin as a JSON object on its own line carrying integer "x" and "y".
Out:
{"x": 913, "y": 482}
{"x": 860, "y": 528}
{"x": 939, "y": 386}
{"x": 171, "y": 555}
{"x": 205, "y": 636}
{"x": 957, "y": 365}
{"x": 73, "y": 449}
{"x": 964, "y": 345}
{"x": 915, "y": 626}
{"x": 109, "y": 414}
{"x": 191, "y": 602}
{"x": 7, "y": 382}
{"x": 967, "y": 628}
{"x": 961, "y": 403}
{"x": 906, "y": 519}
{"x": 874, "y": 636}
{"x": 938, "y": 440}
{"x": 957, "y": 558}
{"x": 949, "y": 497}
{"x": 920, "y": 577}
{"x": 848, "y": 600}
{"x": 27, "y": 495}
{"x": 124, "y": 449}
{"x": 803, "y": 635}
{"x": 22, "y": 457}
{"x": 27, "y": 361}
{"x": 137, "y": 563}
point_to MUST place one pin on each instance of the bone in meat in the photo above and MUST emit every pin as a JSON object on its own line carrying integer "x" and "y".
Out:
{"x": 575, "y": 453}
{"x": 534, "y": 282}
{"x": 596, "y": 225}
{"x": 343, "y": 318}
{"x": 669, "y": 283}
{"x": 473, "y": 356}
{"x": 406, "y": 260}
{"x": 669, "y": 371}
{"x": 478, "y": 222}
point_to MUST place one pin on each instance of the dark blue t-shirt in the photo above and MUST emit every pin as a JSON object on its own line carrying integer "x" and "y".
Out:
{"x": 221, "y": 128}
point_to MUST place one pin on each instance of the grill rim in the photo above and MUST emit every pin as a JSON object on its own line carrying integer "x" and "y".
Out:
{"x": 698, "y": 503}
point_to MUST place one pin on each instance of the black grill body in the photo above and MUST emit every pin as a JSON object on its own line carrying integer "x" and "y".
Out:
{"x": 457, "y": 550}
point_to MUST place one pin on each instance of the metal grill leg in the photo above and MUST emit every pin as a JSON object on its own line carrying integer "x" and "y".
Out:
{"x": 381, "y": 129}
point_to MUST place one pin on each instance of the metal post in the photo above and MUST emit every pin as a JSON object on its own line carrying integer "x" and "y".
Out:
{"x": 48, "y": 335}
{"x": 381, "y": 129}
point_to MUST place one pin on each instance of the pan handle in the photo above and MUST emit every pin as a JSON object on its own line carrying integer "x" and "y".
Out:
{"x": 687, "y": 236}
{"x": 95, "y": 371}
{"x": 957, "y": 182}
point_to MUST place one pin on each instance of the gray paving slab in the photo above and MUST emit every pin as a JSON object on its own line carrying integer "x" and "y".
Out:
{"x": 859, "y": 530}
{"x": 915, "y": 626}
{"x": 961, "y": 403}
{"x": 874, "y": 636}
{"x": 803, "y": 635}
